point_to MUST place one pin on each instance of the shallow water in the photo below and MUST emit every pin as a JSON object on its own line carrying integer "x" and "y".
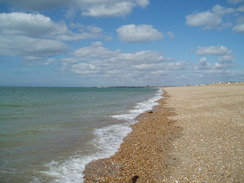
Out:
{"x": 50, "y": 134}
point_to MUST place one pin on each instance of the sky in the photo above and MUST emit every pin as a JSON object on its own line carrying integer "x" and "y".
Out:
{"x": 82, "y": 43}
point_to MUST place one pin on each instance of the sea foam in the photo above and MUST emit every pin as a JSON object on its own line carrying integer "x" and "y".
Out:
{"x": 107, "y": 142}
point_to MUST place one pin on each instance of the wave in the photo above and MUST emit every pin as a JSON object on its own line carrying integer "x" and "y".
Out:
{"x": 107, "y": 142}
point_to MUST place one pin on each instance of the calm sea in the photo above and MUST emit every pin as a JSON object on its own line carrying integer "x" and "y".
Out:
{"x": 50, "y": 134}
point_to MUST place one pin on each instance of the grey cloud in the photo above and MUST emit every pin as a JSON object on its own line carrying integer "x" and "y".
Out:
{"x": 25, "y": 46}
{"x": 32, "y": 25}
{"x": 239, "y": 28}
{"x": 40, "y": 26}
{"x": 35, "y": 36}
{"x": 95, "y": 8}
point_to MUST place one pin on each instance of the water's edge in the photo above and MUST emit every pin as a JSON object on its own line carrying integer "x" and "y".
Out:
{"x": 123, "y": 130}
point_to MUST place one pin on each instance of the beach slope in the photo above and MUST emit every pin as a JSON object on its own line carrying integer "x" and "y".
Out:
{"x": 194, "y": 135}
{"x": 211, "y": 146}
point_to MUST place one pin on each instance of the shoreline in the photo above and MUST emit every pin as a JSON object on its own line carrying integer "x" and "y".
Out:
{"x": 194, "y": 135}
{"x": 140, "y": 155}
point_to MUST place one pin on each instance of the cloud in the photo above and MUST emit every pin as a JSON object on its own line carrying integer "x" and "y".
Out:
{"x": 33, "y": 25}
{"x": 84, "y": 68}
{"x": 40, "y": 26}
{"x": 33, "y": 36}
{"x": 227, "y": 58}
{"x": 170, "y": 35}
{"x": 222, "y": 63}
{"x": 30, "y": 47}
{"x": 97, "y": 61}
{"x": 95, "y": 8}
{"x": 138, "y": 33}
{"x": 110, "y": 9}
{"x": 211, "y": 67}
{"x": 115, "y": 67}
{"x": 203, "y": 64}
{"x": 213, "y": 50}
{"x": 209, "y": 19}
{"x": 239, "y": 28}
{"x": 96, "y": 50}
{"x": 218, "y": 69}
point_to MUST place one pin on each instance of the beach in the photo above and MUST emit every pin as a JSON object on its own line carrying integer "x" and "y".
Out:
{"x": 49, "y": 134}
{"x": 194, "y": 135}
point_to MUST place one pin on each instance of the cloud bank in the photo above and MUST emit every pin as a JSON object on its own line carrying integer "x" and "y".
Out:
{"x": 97, "y": 61}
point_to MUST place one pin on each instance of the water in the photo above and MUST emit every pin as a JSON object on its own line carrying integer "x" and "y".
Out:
{"x": 50, "y": 134}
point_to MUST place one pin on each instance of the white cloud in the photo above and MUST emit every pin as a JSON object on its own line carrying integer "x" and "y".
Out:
{"x": 139, "y": 57}
{"x": 116, "y": 9}
{"x": 203, "y": 64}
{"x": 239, "y": 28}
{"x": 138, "y": 33}
{"x": 227, "y": 58}
{"x": 97, "y": 61}
{"x": 209, "y": 19}
{"x": 213, "y": 50}
{"x": 96, "y": 50}
{"x": 32, "y": 25}
{"x": 206, "y": 19}
{"x": 40, "y": 26}
{"x": 88, "y": 7}
{"x": 213, "y": 67}
{"x": 30, "y": 47}
{"x": 30, "y": 36}
{"x": 84, "y": 68}
{"x": 35, "y": 36}
{"x": 219, "y": 68}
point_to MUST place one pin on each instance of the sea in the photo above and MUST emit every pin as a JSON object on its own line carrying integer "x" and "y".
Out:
{"x": 50, "y": 134}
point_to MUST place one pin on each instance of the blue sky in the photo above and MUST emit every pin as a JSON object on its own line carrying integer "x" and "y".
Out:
{"x": 120, "y": 42}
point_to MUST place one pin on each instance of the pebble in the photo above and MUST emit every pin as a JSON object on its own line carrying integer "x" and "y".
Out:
{"x": 194, "y": 135}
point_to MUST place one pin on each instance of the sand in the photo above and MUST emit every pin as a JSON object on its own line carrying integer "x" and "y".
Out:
{"x": 194, "y": 135}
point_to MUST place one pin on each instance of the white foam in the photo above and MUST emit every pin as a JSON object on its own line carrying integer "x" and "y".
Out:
{"x": 107, "y": 141}
{"x": 140, "y": 108}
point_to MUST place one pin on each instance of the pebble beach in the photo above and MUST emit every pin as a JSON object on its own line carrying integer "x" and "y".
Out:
{"x": 195, "y": 134}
